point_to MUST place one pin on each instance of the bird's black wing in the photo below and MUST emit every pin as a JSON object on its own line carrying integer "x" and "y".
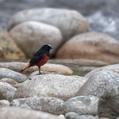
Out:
{"x": 38, "y": 56}
{"x": 35, "y": 60}
{"x": 39, "y": 53}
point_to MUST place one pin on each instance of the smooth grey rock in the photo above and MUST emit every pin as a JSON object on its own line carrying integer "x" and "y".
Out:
{"x": 4, "y": 103}
{"x": 53, "y": 85}
{"x": 100, "y": 83}
{"x": 49, "y": 67}
{"x": 7, "y": 73}
{"x": 104, "y": 83}
{"x": 91, "y": 45}
{"x": 88, "y": 117}
{"x": 30, "y": 36}
{"x": 20, "y": 113}
{"x": 70, "y": 22}
{"x": 73, "y": 115}
{"x": 46, "y": 104}
{"x": 16, "y": 66}
{"x": 8, "y": 48}
{"x": 82, "y": 105}
{"x": 7, "y": 91}
{"x": 109, "y": 106}
{"x": 54, "y": 68}
{"x": 9, "y": 80}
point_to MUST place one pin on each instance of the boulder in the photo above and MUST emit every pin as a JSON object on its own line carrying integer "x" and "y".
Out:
{"x": 8, "y": 48}
{"x": 7, "y": 73}
{"x": 7, "y": 91}
{"x": 48, "y": 68}
{"x": 73, "y": 115}
{"x": 31, "y": 35}
{"x": 53, "y": 85}
{"x": 82, "y": 105}
{"x": 104, "y": 83}
{"x": 91, "y": 45}
{"x": 4, "y": 103}
{"x": 16, "y": 66}
{"x": 56, "y": 69}
{"x": 18, "y": 113}
{"x": 46, "y": 104}
{"x": 9, "y": 80}
{"x": 70, "y": 22}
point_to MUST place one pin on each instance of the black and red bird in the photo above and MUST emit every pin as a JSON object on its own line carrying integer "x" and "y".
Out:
{"x": 40, "y": 57}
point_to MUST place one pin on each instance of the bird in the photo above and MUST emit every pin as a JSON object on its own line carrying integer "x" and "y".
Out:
{"x": 40, "y": 57}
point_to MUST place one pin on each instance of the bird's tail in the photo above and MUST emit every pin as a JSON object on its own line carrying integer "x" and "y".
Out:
{"x": 25, "y": 68}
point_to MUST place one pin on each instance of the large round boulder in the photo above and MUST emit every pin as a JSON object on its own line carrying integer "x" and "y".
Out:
{"x": 91, "y": 45}
{"x": 7, "y": 91}
{"x": 82, "y": 105}
{"x": 30, "y": 36}
{"x": 104, "y": 83}
{"x": 47, "y": 68}
{"x": 20, "y": 113}
{"x": 53, "y": 85}
{"x": 7, "y": 73}
{"x": 47, "y": 104}
{"x": 8, "y": 48}
{"x": 70, "y": 22}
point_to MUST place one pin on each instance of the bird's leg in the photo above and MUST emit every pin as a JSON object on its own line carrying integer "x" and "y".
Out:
{"x": 39, "y": 69}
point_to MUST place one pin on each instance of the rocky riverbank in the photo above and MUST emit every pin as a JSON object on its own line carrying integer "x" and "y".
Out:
{"x": 81, "y": 81}
{"x": 58, "y": 94}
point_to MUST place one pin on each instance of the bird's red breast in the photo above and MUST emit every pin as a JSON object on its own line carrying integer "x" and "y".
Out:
{"x": 43, "y": 60}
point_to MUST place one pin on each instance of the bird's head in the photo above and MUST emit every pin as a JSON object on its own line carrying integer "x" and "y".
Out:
{"x": 47, "y": 47}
